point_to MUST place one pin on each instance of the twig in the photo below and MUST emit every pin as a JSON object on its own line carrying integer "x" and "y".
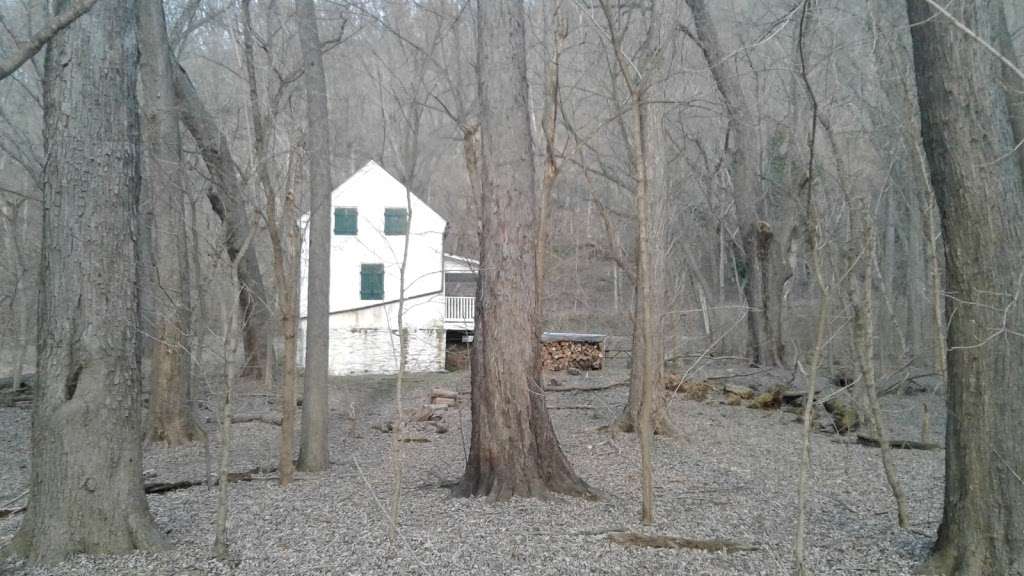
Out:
{"x": 15, "y": 499}
{"x": 963, "y": 28}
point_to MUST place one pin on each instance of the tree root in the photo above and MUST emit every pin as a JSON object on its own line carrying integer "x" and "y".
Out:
{"x": 675, "y": 542}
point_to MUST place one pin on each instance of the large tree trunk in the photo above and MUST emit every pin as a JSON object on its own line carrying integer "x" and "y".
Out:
{"x": 313, "y": 453}
{"x": 762, "y": 253}
{"x": 1014, "y": 84}
{"x": 228, "y": 202}
{"x": 513, "y": 449}
{"x": 965, "y": 127}
{"x": 170, "y": 412}
{"x": 86, "y": 491}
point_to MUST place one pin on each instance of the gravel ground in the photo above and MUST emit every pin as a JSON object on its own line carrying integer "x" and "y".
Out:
{"x": 730, "y": 473}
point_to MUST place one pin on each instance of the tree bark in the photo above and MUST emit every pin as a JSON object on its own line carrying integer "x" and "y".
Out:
{"x": 170, "y": 413}
{"x": 228, "y": 202}
{"x": 513, "y": 448}
{"x": 86, "y": 488}
{"x": 762, "y": 253}
{"x": 965, "y": 125}
{"x": 1013, "y": 84}
{"x": 313, "y": 453}
{"x": 71, "y": 12}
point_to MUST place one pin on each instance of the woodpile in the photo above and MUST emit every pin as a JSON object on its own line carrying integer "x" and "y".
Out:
{"x": 442, "y": 399}
{"x": 428, "y": 416}
{"x": 566, "y": 354}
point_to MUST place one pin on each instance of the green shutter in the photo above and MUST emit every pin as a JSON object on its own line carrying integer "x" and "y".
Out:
{"x": 396, "y": 221}
{"x": 371, "y": 285}
{"x": 345, "y": 221}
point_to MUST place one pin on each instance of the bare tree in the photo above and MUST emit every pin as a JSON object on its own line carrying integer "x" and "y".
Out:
{"x": 86, "y": 489}
{"x": 965, "y": 124}
{"x": 313, "y": 453}
{"x": 762, "y": 250}
{"x": 228, "y": 203}
{"x": 648, "y": 342}
{"x": 71, "y": 12}
{"x": 513, "y": 447}
{"x": 170, "y": 413}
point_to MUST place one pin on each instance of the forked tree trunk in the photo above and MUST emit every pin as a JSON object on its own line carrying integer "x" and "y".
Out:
{"x": 313, "y": 453}
{"x": 86, "y": 490}
{"x": 762, "y": 253}
{"x": 170, "y": 413}
{"x": 645, "y": 407}
{"x": 513, "y": 449}
{"x": 965, "y": 119}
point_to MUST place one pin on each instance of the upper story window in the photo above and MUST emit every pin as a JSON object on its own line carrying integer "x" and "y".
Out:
{"x": 346, "y": 221}
{"x": 396, "y": 221}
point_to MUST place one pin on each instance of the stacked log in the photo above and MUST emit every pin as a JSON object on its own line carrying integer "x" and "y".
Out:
{"x": 442, "y": 399}
{"x": 565, "y": 354}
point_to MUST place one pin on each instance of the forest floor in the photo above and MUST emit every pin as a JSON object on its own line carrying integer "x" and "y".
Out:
{"x": 730, "y": 472}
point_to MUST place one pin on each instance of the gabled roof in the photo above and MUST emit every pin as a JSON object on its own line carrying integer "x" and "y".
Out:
{"x": 375, "y": 180}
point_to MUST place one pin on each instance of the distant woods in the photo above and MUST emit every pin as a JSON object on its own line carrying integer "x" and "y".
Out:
{"x": 792, "y": 183}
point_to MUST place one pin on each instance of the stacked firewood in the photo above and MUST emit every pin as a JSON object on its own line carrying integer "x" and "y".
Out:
{"x": 442, "y": 399}
{"x": 426, "y": 417}
{"x": 566, "y": 354}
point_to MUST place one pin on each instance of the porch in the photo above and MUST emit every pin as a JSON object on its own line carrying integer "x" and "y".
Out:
{"x": 458, "y": 313}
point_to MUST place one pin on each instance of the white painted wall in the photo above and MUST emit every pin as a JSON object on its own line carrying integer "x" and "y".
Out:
{"x": 366, "y": 340}
{"x": 364, "y": 334}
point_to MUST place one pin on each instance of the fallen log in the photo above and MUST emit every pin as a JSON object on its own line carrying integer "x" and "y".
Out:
{"x": 743, "y": 392}
{"x": 582, "y": 387}
{"x": 165, "y": 487}
{"x": 444, "y": 393}
{"x": 675, "y": 542}
{"x": 271, "y": 419}
{"x": 866, "y": 440}
{"x": 244, "y": 476}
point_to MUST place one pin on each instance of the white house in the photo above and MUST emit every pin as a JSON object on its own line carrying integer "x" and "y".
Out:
{"x": 372, "y": 214}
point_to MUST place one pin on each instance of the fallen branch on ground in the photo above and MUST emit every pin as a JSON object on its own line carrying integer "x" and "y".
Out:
{"x": 745, "y": 374}
{"x": 245, "y": 476}
{"x": 581, "y": 387}
{"x": 899, "y": 444}
{"x": 571, "y": 407}
{"x": 271, "y": 419}
{"x": 675, "y": 542}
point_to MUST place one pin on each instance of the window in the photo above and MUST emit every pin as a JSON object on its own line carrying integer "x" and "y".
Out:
{"x": 371, "y": 284}
{"x": 345, "y": 221}
{"x": 396, "y": 221}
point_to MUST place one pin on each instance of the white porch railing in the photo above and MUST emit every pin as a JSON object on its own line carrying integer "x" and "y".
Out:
{"x": 459, "y": 308}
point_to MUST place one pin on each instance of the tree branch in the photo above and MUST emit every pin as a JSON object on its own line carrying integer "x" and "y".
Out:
{"x": 29, "y": 49}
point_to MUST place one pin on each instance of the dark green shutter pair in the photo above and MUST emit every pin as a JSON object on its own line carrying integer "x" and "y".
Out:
{"x": 345, "y": 222}
{"x": 371, "y": 285}
{"x": 396, "y": 221}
